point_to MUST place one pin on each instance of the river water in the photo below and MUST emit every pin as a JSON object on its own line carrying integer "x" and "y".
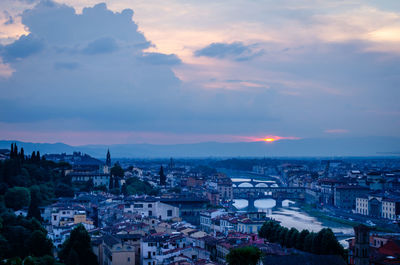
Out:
{"x": 292, "y": 216}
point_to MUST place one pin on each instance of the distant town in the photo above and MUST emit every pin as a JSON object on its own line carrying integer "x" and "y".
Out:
{"x": 201, "y": 211}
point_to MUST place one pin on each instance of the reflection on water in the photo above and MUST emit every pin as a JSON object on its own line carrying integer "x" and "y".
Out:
{"x": 290, "y": 216}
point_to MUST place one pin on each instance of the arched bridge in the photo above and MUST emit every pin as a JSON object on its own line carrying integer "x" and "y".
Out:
{"x": 277, "y": 193}
{"x": 254, "y": 183}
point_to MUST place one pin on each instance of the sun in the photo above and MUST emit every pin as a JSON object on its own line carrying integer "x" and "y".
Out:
{"x": 269, "y": 139}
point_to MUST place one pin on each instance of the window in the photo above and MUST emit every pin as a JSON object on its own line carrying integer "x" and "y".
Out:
{"x": 138, "y": 206}
{"x": 55, "y": 217}
{"x": 150, "y": 213}
{"x": 150, "y": 205}
{"x": 129, "y": 259}
{"x": 169, "y": 213}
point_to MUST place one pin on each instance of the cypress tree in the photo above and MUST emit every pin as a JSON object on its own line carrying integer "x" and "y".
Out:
{"x": 22, "y": 154}
{"x": 33, "y": 156}
{"x": 12, "y": 151}
{"x": 15, "y": 155}
{"x": 163, "y": 179}
{"x": 37, "y": 156}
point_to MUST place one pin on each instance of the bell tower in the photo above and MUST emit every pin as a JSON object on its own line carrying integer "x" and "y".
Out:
{"x": 361, "y": 245}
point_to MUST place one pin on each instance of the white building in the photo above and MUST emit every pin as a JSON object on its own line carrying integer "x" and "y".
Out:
{"x": 362, "y": 206}
{"x": 206, "y": 219}
{"x": 148, "y": 207}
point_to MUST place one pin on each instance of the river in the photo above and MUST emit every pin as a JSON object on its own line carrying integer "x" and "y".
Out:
{"x": 292, "y": 216}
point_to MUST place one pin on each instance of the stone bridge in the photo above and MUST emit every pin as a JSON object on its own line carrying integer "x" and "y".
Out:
{"x": 277, "y": 193}
{"x": 255, "y": 183}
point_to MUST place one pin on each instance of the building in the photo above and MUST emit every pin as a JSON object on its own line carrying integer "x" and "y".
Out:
{"x": 249, "y": 226}
{"x": 378, "y": 206}
{"x": 362, "y": 205}
{"x": 118, "y": 252}
{"x": 345, "y": 196}
{"x": 98, "y": 179}
{"x": 206, "y": 219}
{"x": 151, "y": 207}
{"x": 224, "y": 187}
{"x": 361, "y": 245}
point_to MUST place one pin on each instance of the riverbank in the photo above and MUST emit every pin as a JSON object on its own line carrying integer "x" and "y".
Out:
{"x": 313, "y": 211}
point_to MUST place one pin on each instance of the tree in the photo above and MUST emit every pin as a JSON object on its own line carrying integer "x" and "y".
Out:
{"x": 63, "y": 190}
{"x": 244, "y": 256}
{"x": 282, "y": 236}
{"x": 78, "y": 242}
{"x": 22, "y": 154}
{"x": 39, "y": 244}
{"x": 12, "y": 151}
{"x": 301, "y": 238}
{"x": 291, "y": 236}
{"x": 33, "y": 156}
{"x": 308, "y": 242}
{"x": 163, "y": 179}
{"x": 33, "y": 210}
{"x": 17, "y": 198}
{"x": 117, "y": 171}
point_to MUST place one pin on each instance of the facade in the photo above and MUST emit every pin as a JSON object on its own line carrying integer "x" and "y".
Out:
{"x": 361, "y": 246}
{"x": 378, "y": 206}
{"x": 345, "y": 196}
{"x": 362, "y": 205}
{"x": 117, "y": 252}
{"x": 151, "y": 207}
{"x": 249, "y": 226}
{"x": 98, "y": 179}
{"x": 224, "y": 187}
{"x": 206, "y": 219}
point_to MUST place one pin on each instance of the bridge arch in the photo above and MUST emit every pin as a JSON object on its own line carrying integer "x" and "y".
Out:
{"x": 245, "y": 185}
{"x": 262, "y": 184}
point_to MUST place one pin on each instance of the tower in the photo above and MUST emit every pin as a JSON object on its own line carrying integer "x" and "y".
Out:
{"x": 108, "y": 159}
{"x": 361, "y": 245}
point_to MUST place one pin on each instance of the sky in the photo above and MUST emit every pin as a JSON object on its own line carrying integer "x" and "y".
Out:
{"x": 185, "y": 71}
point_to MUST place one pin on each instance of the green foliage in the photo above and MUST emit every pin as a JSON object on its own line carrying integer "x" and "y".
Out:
{"x": 300, "y": 240}
{"x": 77, "y": 248}
{"x": 21, "y": 237}
{"x": 136, "y": 186}
{"x": 324, "y": 242}
{"x": 205, "y": 170}
{"x": 117, "y": 171}
{"x": 39, "y": 244}
{"x": 163, "y": 178}
{"x": 36, "y": 199}
{"x": 244, "y": 256}
{"x": 17, "y": 198}
{"x": 63, "y": 190}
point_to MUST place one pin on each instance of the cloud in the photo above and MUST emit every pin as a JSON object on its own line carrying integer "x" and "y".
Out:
{"x": 235, "y": 50}
{"x": 159, "y": 58}
{"x": 103, "y": 45}
{"x": 25, "y": 46}
{"x": 10, "y": 19}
